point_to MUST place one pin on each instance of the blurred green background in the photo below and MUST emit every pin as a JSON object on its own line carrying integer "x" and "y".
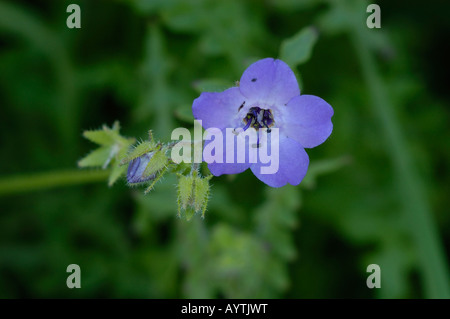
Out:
{"x": 377, "y": 190}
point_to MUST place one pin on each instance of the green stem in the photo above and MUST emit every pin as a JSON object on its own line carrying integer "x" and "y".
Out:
{"x": 416, "y": 207}
{"x": 38, "y": 181}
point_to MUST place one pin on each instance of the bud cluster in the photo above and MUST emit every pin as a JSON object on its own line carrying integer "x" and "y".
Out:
{"x": 145, "y": 164}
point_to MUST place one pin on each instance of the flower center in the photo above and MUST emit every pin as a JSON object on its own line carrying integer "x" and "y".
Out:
{"x": 258, "y": 118}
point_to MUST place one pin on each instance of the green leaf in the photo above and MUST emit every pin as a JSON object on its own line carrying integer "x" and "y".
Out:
{"x": 116, "y": 173}
{"x": 101, "y": 137}
{"x": 106, "y": 135}
{"x": 95, "y": 158}
{"x": 297, "y": 49}
{"x": 113, "y": 146}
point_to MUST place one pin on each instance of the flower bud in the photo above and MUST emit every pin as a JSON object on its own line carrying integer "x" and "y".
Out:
{"x": 193, "y": 192}
{"x": 146, "y": 167}
{"x": 137, "y": 167}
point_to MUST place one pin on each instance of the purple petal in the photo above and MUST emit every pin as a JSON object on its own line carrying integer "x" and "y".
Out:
{"x": 218, "y": 169}
{"x": 293, "y": 164}
{"x": 307, "y": 119}
{"x": 136, "y": 169}
{"x": 269, "y": 81}
{"x": 229, "y": 164}
{"x": 217, "y": 109}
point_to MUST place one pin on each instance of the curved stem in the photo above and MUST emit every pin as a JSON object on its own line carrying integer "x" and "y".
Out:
{"x": 27, "y": 183}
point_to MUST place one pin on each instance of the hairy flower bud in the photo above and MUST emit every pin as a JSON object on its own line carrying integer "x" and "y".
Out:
{"x": 193, "y": 193}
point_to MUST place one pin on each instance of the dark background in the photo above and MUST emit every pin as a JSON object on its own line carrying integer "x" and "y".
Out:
{"x": 142, "y": 63}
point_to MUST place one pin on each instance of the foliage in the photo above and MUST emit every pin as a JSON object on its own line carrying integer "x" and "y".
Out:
{"x": 142, "y": 62}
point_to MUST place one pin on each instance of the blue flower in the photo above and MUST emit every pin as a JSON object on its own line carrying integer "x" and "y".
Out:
{"x": 268, "y": 98}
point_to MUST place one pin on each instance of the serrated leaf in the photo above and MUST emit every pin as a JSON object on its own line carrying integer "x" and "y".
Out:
{"x": 101, "y": 137}
{"x": 108, "y": 136}
{"x": 96, "y": 158}
{"x": 297, "y": 49}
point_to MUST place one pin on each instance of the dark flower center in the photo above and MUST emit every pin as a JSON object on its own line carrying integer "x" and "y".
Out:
{"x": 258, "y": 118}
